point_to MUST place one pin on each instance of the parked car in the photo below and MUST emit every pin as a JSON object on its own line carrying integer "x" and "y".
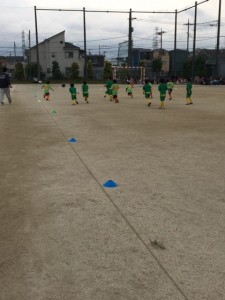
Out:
{"x": 215, "y": 82}
{"x": 35, "y": 80}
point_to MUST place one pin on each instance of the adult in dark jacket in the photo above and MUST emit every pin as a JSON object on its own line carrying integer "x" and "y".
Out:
{"x": 5, "y": 86}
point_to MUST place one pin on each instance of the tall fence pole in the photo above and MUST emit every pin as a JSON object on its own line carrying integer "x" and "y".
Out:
{"x": 175, "y": 47}
{"x": 37, "y": 48}
{"x": 85, "y": 46}
{"x": 218, "y": 41}
{"x": 130, "y": 40}
{"x": 194, "y": 44}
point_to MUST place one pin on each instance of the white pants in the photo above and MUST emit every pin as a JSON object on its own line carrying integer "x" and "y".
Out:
{"x": 5, "y": 91}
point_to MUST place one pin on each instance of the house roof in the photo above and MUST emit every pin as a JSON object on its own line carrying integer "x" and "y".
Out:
{"x": 46, "y": 40}
{"x": 70, "y": 46}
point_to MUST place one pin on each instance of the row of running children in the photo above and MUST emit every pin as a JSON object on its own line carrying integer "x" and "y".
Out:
{"x": 112, "y": 89}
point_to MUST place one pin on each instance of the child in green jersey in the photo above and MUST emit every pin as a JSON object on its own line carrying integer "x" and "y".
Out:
{"x": 170, "y": 86}
{"x": 129, "y": 89}
{"x": 162, "y": 88}
{"x": 108, "y": 86}
{"x": 115, "y": 89}
{"x": 46, "y": 88}
{"x": 189, "y": 92}
{"x": 147, "y": 91}
{"x": 73, "y": 93}
{"x": 85, "y": 91}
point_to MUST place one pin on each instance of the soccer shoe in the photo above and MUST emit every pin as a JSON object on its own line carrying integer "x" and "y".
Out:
{"x": 149, "y": 104}
{"x": 160, "y": 107}
{"x": 2, "y": 103}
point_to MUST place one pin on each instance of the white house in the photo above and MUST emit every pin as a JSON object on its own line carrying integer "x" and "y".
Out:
{"x": 56, "y": 49}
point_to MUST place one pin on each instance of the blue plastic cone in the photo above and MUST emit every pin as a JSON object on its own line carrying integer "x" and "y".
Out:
{"x": 72, "y": 140}
{"x": 110, "y": 184}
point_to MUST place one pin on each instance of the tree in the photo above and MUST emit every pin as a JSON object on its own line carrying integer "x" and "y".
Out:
{"x": 157, "y": 65}
{"x": 108, "y": 72}
{"x": 123, "y": 73}
{"x": 90, "y": 70}
{"x": 56, "y": 73}
{"x": 187, "y": 68}
{"x": 19, "y": 71}
{"x": 75, "y": 70}
{"x": 31, "y": 71}
{"x": 200, "y": 66}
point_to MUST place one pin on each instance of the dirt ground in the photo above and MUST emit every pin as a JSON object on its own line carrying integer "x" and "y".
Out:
{"x": 160, "y": 234}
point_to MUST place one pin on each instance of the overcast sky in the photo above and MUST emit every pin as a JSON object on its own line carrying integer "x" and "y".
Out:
{"x": 106, "y": 30}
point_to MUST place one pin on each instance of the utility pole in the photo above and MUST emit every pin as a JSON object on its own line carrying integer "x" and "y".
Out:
{"x": 161, "y": 34}
{"x": 29, "y": 59}
{"x": 175, "y": 46}
{"x": 23, "y": 44}
{"x": 14, "y": 54}
{"x": 188, "y": 35}
{"x": 85, "y": 46}
{"x": 37, "y": 48}
{"x": 130, "y": 39}
{"x": 14, "y": 50}
{"x": 218, "y": 40}
{"x": 194, "y": 42}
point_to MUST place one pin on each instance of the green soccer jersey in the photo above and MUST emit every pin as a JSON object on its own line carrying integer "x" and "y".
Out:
{"x": 162, "y": 89}
{"x": 189, "y": 89}
{"x": 115, "y": 89}
{"x": 147, "y": 88}
{"x": 85, "y": 88}
{"x": 73, "y": 91}
{"x": 170, "y": 85}
{"x": 109, "y": 84}
{"x": 46, "y": 87}
{"x": 129, "y": 89}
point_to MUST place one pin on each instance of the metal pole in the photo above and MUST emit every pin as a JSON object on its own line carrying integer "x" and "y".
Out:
{"x": 188, "y": 35}
{"x": 161, "y": 40}
{"x": 29, "y": 60}
{"x": 37, "y": 48}
{"x": 118, "y": 58}
{"x": 85, "y": 46}
{"x": 194, "y": 42}
{"x": 175, "y": 46}
{"x": 218, "y": 40}
{"x": 130, "y": 40}
{"x": 15, "y": 51}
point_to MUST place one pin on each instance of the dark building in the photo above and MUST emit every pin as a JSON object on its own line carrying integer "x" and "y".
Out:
{"x": 176, "y": 69}
{"x": 98, "y": 62}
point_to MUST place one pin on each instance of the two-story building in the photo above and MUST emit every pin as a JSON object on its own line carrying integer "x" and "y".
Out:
{"x": 56, "y": 49}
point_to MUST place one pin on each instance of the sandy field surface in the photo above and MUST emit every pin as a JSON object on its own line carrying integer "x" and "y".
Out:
{"x": 159, "y": 234}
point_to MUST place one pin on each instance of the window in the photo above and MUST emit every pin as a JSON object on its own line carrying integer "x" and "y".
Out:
{"x": 53, "y": 54}
{"x": 48, "y": 70}
{"x": 69, "y": 54}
